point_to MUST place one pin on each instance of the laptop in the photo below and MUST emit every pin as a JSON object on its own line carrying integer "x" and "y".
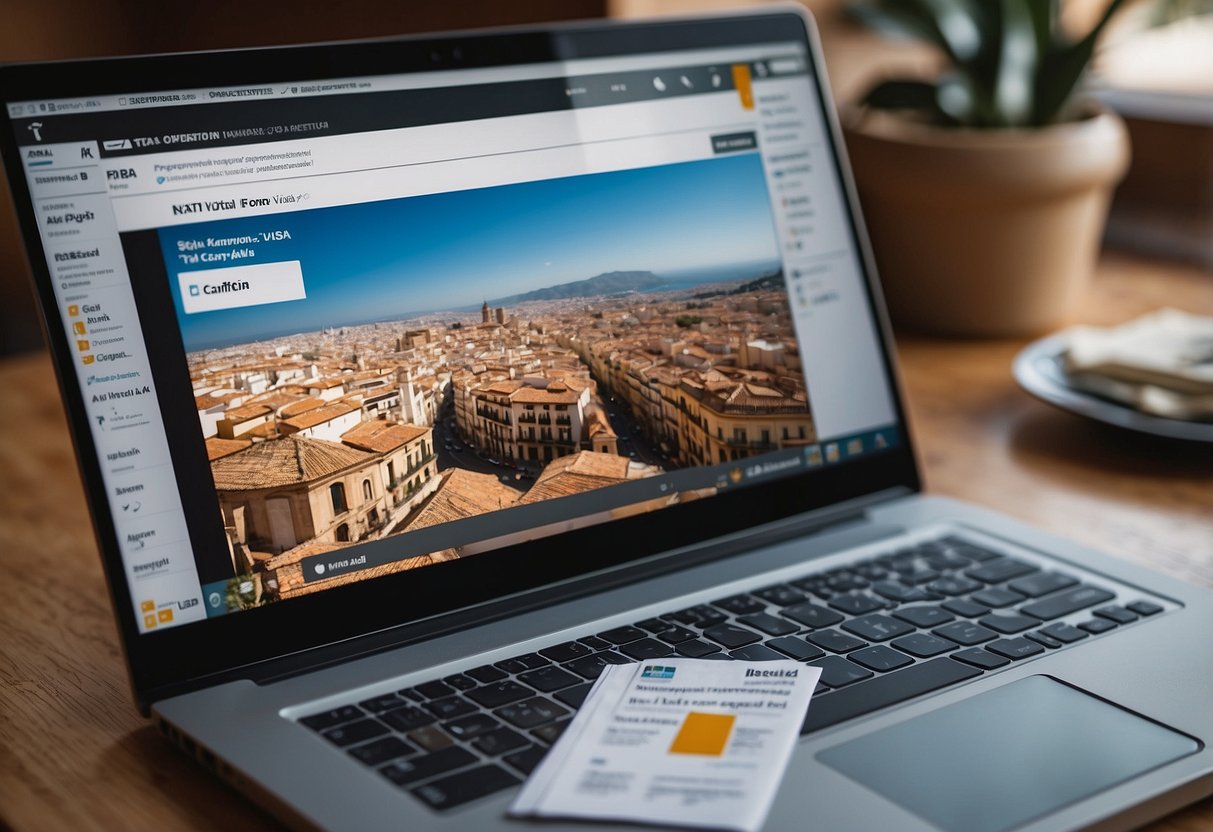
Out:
{"x": 414, "y": 382}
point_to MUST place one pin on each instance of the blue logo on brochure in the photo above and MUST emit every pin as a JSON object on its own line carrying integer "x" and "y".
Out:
{"x": 656, "y": 671}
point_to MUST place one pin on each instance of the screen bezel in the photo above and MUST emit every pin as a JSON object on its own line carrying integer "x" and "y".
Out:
{"x": 186, "y": 657}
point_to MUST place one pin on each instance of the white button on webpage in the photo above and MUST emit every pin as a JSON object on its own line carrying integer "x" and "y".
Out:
{"x": 236, "y": 286}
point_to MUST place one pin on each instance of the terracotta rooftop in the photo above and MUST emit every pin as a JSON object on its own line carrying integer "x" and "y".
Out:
{"x": 463, "y": 494}
{"x": 535, "y": 395}
{"x": 325, "y": 384}
{"x": 584, "y": 471}
{"x": 217, "y": 447}
{"x": 301, "y": 406}
{"x": 319, "y": 416}
{"x": 381, "y": 437}
{"x": 283, "y": 462}
{"x": 245, "y": 412}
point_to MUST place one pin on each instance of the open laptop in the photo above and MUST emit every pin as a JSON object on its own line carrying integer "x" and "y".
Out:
{"x": 415, "y": 382}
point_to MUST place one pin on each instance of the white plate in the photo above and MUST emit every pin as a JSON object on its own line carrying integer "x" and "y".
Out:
{"x": 1039, "y": 369}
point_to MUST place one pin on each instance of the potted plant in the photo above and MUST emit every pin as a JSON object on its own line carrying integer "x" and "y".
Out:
{"x": 985, "y": 190}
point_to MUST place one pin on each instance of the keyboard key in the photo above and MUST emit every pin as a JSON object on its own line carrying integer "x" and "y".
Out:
{"x": 527, "y": 661}
{"x": 1114, "y": 613}
{"x": 487, "y": 673}
{"x": 757, "y": 653}
{"x": 1067, "y": 601}
{"x": 452, "y": 706}
{"x": 526, "y": 760}
{"x": 675, "y": 634}
{"x": 846, "y": 582}
{"x": 880, "y": 658}
{"x": 918, "y": 575}
{"x": 590, "y": 667}
{"x": 413, "y": 694}
{"x": 1035, "y": 586}
{"x": 1098, "y": 625}
{"x": 531, "y": 712}
{"x": 457, "y": 789}
{"x": 1145, "y": 607}
{"x": 431, "y": 738}
{"x": 1015, "y": 648}
{"x": 889, "y": 689}
{"x": 856, "y": 604}
{"x": 407, "y": 718}
{"x": 336, "y": 716}
{"x": 999, "y": 570}
{"x": 1008, "y": 622}
{"x": 499, "y": 741}
{"x": 812, "y": 615}
{"x": 696, "y": 649}
{"x": 548, "y": 678}
{"x": 352, "y": 732}
{"x": 647, "y": 648}
{"x": 566, "y": 652}
{"x": 381, "y": 703}
{"x": 381, "y": 750}
{"x": 965, "y": 633}
{"x": 835, "y": 641}
{"x": 740, "y": 604}
{"x": 837, "y": 672}
{"x": 978, "y": 657}
{"x": 923, "y": 645}
{"x": 997, "y": 597}
{"x": 471, "y": 725}
{"x": 701, "y": 616}
{"x": 404, "y": 772}
{"x": 965, "y": 609}
{"x": 594, "y": 643}
{"x": 953, "y": 585}
{"x": 1044, "y": 640}
{"x": 731, "y": 636}
{"x": 769, "y": 624}
{"x": 651, "y": 625}
{"x": 434, "y": 690}
{"x": 923, "y": 616}
{"x": 965, "y": 548}
{"x": 1064, "y": 633}
{"x": 796, "y": 648}
{"x": 499, "y": 693}
{"x": 877, "y": 627}
{"x": 551, "y": 732}
{"x": 622, "y": 635}
{"x": 781, "y": 595}
{"x": 460, "y": 682}
{"x": 574, "y": 696}
{"x": 898, "y": 592}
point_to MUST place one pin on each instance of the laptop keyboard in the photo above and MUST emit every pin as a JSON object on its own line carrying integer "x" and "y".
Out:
{"x": 883, "y": 630}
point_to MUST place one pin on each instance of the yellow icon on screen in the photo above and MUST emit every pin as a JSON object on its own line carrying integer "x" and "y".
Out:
{"x": 741, "y": 80}
{"x": 82, "y": 346}
{"x": 147, "y": 606}
{"x": 78, "y": 327}
{"x": 149, "y": 621}
{"x": 86, "y": 359}
{"x": 165, "y": 615}
{"x": 73, "y": 310}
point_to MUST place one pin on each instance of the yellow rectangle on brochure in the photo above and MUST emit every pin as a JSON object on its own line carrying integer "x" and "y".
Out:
{"x": 703, "y": 734}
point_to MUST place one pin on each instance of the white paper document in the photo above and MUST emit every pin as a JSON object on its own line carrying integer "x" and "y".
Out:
{"x": 678, "y": 742}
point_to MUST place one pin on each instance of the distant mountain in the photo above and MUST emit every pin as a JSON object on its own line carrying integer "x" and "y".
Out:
{"x": 610, "y": 283}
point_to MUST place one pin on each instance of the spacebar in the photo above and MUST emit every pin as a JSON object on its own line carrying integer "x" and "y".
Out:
{"x": 883, "y": 691}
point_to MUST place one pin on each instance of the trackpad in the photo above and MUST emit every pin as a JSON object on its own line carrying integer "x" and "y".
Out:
{"x": 1009, "y": 755}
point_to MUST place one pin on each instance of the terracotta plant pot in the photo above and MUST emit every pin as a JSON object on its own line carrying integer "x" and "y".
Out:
{"x": 984, "y": 232}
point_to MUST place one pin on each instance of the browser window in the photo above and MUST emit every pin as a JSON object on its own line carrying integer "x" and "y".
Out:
{"x": 427, "y": 316}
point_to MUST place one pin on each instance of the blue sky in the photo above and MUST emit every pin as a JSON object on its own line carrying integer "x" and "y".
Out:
{"x": 386, "y": 260}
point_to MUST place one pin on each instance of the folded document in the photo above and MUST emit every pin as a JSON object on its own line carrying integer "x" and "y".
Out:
{"x": 683, "y": 742}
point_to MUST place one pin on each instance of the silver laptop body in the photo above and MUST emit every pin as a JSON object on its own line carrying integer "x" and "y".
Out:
{"x": 415, "y": 381}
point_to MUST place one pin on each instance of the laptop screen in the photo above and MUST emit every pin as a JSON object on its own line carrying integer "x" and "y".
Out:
{"x": 330, "y": 330}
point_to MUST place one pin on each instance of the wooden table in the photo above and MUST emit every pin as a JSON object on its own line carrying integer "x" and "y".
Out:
{"x": 75, "y": 755}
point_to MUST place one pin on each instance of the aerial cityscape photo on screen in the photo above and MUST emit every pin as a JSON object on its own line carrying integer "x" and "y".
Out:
{"x": 418, "y": 361}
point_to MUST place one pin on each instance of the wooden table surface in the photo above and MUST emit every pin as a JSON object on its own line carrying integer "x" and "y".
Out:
{"x": 75, "y": 755}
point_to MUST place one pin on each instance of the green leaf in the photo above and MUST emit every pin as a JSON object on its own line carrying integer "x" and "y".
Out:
{"x": 1063, "y": 68}
{"x": 1015, "y": 84}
